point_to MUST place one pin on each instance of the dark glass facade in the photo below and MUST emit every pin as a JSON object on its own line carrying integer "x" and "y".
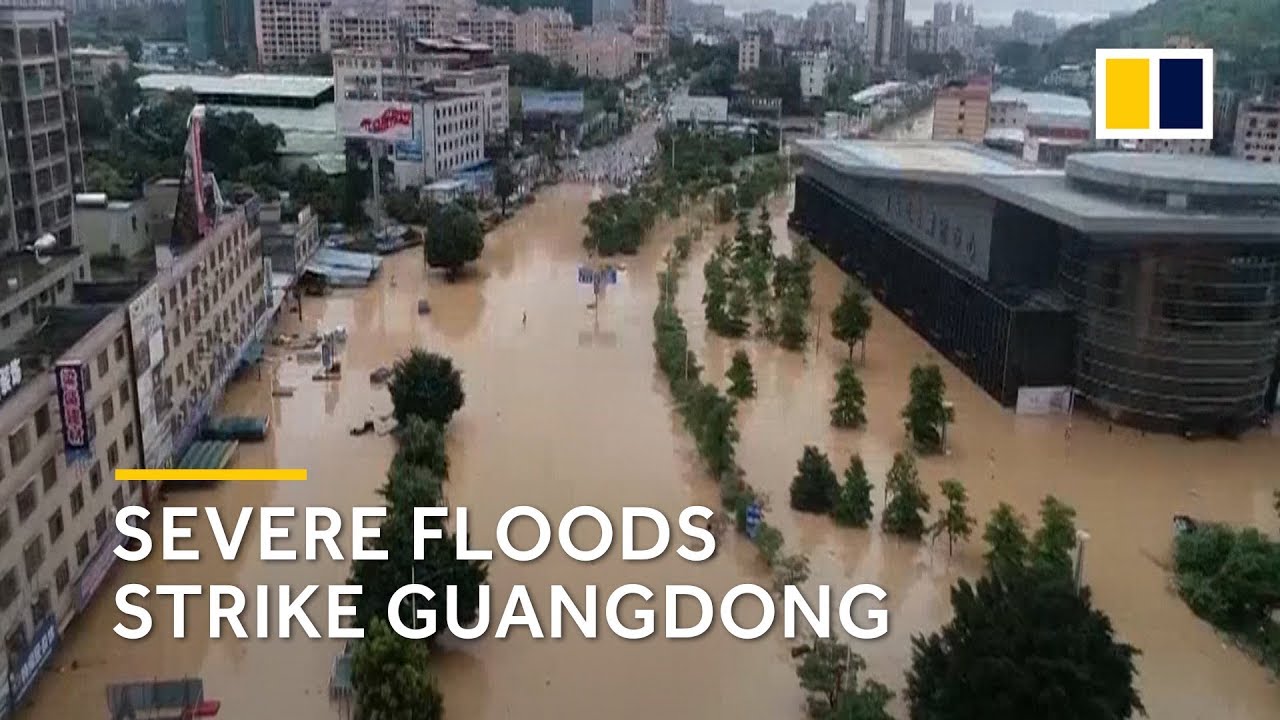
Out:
{"x": 1002, "y": 339}
{"x": 1180, "y": 337}
{"x": 1170, "y": 334}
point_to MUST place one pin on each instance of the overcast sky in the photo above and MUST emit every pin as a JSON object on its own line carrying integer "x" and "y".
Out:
{"x": 987, "y": 11}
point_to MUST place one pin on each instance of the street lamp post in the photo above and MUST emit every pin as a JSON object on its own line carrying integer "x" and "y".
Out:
{"x": 1082, "y": 537}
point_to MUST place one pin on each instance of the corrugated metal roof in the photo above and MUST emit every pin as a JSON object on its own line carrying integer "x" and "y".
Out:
{"x": 248, "y": 85}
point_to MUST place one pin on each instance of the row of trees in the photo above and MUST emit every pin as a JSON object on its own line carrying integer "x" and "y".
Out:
{"x": 1024, "y": 640}
{"x": 390, "y": 673}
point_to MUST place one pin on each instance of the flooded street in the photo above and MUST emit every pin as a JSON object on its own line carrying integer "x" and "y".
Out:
{"x": 570, "y": 410}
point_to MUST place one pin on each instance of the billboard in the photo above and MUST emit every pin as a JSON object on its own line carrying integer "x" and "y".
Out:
{"x": 376, "y": 120}
{"x": 146, "y": 330}
{"x": 77, "y": 433}
{"x": 1053, "y": 400}
{"x": 409, "y": 151}
{"x": 546, "y": 102}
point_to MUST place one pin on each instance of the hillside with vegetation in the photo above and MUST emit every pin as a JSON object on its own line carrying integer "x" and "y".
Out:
{"x": 1241, "y": 27}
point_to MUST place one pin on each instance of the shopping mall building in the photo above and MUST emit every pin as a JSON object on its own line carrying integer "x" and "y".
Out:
{"x": 1150, "y": 284}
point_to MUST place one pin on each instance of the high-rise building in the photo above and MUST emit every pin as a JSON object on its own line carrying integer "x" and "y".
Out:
{"x": 651, "y": 12}
{"x": 289, "y": 32}
{"x": 603, "y": 52}
{"x": 815, "y": 68}
{"x": 942, "y": 14}
{"x": 749, "y": 51}
{"x": 222, "y": 31}
{"x": 544, "y": 32}
{"x": 886, "y": 42}
{"x": 42, "y": 167}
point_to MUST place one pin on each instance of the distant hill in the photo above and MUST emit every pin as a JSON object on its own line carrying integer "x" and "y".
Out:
{"x": 1239, "y": 26}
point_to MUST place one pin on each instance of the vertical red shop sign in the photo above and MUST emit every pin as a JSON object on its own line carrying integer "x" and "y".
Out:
{"x": 77, "y": 433}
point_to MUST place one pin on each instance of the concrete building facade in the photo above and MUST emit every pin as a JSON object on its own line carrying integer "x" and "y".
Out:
{"x": 815, "y": 68}
{"x": 603, "y": 52}
{"x": 545, "y": 32}
{"x": 1257, "y": 130}
{"x": 90, "y": 66}
{"x": 42, "y": 168}
{"x": 749, "y": 51}
{"x": 960, "y": 112}
{"x": 886, "y": 41}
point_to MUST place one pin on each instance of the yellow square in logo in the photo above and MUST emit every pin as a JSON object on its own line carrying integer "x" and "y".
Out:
{"x": 1128, "y": 92}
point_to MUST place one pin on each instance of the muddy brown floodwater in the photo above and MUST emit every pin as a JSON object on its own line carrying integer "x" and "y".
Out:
{"x": 569, "y": 410}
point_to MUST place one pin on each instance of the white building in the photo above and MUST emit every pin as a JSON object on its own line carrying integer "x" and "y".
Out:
{"x": 451, "y": 128}
{"x": 289, "y": 32}
{"x": 698, "y": 109}
{"x": 815, "y": 68}
{"x": 375, "y": 74}
{"x": 90, "y": 66}
{"x": 749, "y": 52}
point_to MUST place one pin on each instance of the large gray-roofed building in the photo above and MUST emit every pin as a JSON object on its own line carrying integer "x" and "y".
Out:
{"x": 1148, "y": 283}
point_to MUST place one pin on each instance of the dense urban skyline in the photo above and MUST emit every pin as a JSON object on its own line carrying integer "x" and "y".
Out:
{"x": 987, "y": 11}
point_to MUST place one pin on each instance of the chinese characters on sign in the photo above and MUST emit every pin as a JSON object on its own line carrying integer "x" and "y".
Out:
{"x": 10, "y": 377}
{"x": 76, "y": 431}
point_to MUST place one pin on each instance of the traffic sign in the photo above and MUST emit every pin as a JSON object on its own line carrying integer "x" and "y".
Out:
{"x": 754, "y": 517}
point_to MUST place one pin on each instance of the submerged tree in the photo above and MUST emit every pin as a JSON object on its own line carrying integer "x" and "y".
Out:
{"x": 1055, "y": 541}
{"x": 793, "y": 330}
{"x": 847, "y": 409}
{"x": 905, "y": 512}
{"x": 455, "y": 239}
{"x": 389, "y": 674}
{"x": 927, "y": 414}
{"x": 814, "y": 488}
{"x": 716, "y": 295}
{"x": 742, "y": 381}
{"x": 830, "y": 674}
{"x": 1022, "y": 646}
{"x": 427, "y": 385}
{"x": 853, "y": 507}
{"x": 1007, "y": 545}
{"x": 954, "y": 521}
{"x": 851, "y": 318}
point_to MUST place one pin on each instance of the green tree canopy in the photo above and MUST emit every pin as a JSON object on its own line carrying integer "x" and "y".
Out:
{"x": 1022, "y": 646}
{"x": 742, "y": 381}
{"x": 1007, "y": 545}
{"x": 426, "y": 385}
{"x": 390, "y": 677}
{"x": 454, "y": 240}
{"x": 954, "y": 520}
{"x": 848, "y": 409}
{"x": 926, "y": 413}
{"x": 814, "y": 488}
{"x": 1054, "y": 542}
{"x": 831, "y": 674}
{"x": 851, "y": 318}
{"x": 853, "y": 507}
{"x": 904, "y": 513}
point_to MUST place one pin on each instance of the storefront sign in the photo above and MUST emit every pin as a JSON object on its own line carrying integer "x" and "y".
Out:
{"x": 95, "y": 571}
{"x": 24, "y": 672}
{"x": 10, "y": 377}
{"x": 77, "y": 433}
{"x": 409, "y": 151}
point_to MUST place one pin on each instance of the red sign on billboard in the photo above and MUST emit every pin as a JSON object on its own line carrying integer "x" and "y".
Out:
{"x": 77, "y": 433}
{"x": 390, "y": 119}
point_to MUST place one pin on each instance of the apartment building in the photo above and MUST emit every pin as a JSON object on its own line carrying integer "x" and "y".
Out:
{"x": 351, "y": 24}
{"x": 749, "y": 51}
{"x": 494, "y": 27}
{"x": 887, "y": 36}
{"x": 381, "y": 73}
{"x": 212, "y": 303}
{"x": 91, "y": 66}
{"x": 42, "y": 167}
{"x": 290, "y": 235}
{"x": 603, "y": 52}
{"x": 451, "y": 125}
{"x": 289, "y": 32}
{"x": 815, "y": 68}
{"x": 960, "y": 111}
{"x": 1257, "y": 126}
{"x": 545, "y": 32}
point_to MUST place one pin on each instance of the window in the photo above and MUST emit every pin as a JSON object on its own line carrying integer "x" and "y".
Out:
{"x": 56, "y": 527}
{"x": 77, "y": 499}
{"x": 119, "y": 347}
{"x": 62, "y": 576}
{"x": 82, "y": 548}
{"x": 104, "y": 363}
{"x": 33, "y": 556}
{"x": 6, "y": 529}
{"x": 100, "y": 524}
{"x": 16, "y": 641}
{"x": 128, "y": 437}
{"x": 92, "y": 419}
{"x": 117, "y": 497}
{"x": 8, "y": 589}
{"x": 49, "y": 473}
{"x": 108, "y": 411}
{"x": 113, "y": 456}
{"x": 18, "y": 445}
{"x": 125, "y": 393}
{"x": 26, "y": 501}
{"x": 41, "y": 607}
{"x": 95, "y": 476}
{"x": 42, "y": 421}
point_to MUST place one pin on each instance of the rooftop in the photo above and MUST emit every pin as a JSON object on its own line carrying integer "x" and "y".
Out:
{"x": 1048, "y": 192}
{"x": 1189, "y": 174}
{"x": 302, "y": 87}
{"x": 1043, "y": 102}
{"x": 59, "y": 329}
{"x": 19, "y": 270}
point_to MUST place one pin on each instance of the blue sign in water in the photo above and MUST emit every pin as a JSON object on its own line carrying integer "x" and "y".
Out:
{"x": 23, "y": 674}
{"x": 592, "y": 276}
{"x": 408, "y": 151}
{"x": 586, "y": 275}
{"x": 754, "y": 516}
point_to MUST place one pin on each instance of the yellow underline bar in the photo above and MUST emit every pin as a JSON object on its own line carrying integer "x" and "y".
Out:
{"x": 213, "y": 475}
